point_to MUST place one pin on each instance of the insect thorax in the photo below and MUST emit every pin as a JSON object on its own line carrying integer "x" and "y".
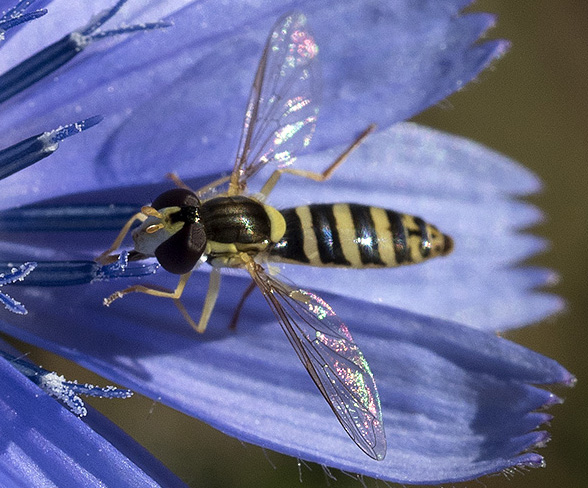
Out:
{"x": 239, "y": 224}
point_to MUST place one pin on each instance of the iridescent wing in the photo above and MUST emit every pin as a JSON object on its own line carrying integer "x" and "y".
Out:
{"x": 283, "y": 104}
{"x": 331, "y": 357}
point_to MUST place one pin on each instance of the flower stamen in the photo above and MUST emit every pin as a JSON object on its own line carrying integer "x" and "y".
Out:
{"x": 15, "y": 275}
{"x": 59, "y": 53}
{"x": 80, "y": 217}
{"x": 67, "y": 273}
{"x": 35, "y": 148}
{"x": 66, "y": 391}
{"x": 16, "y": 16}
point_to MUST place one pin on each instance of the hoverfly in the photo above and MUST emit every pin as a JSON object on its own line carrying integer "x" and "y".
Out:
{"x": 229, "y": 228}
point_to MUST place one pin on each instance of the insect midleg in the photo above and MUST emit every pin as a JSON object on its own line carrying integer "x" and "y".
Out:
{"x": 209, "y": 301}
{"x": 103, "y": 258}
{"x": 320, "y": 177}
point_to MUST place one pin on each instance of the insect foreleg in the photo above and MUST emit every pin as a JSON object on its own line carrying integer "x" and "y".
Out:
{"x": 148, "y": 290}
{"x": 320, "y": 177}
{"x": 105, "y": 257}
{"x": 165, "y": 293}
{"x": 177, "y": 181}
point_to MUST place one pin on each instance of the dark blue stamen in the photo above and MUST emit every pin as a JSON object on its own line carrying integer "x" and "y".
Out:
{"x": 56, "y": 55}
{"x": 18, "y": 9}
{"x": 71, "y": 129}
{"x": 91, "y": 30}
{"x": 121, "y": 269}
{"x": 9, "y": 23}
{"x": 12, "y": 305}
{"x": 14, "y": 275}
{"x": 67, "y": 273}
{"x": 60, "y": 273}
{"x": 66, "y": 391}
{"x": 39, "y": 65}
{"x": 102, "y": 18}
{"x": 17, "y": 274}
{"x": 33, "y": 149}
{"x": 83, "y": 217}
{"x": 15, "y": 16}
{"x": 130, "y": 28}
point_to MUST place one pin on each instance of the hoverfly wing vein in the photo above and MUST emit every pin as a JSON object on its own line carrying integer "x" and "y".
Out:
{"x": 283, "y": 104}
{"x": 251, "y": 114}
{"x": 333, "y": 360}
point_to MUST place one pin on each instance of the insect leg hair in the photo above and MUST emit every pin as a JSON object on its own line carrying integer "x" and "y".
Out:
{"x": 320, "y": 177}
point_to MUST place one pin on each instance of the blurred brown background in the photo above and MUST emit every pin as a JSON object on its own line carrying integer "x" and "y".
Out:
{"x": 532, "y": 106}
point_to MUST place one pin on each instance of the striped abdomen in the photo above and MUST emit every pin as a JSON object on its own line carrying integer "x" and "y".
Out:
{"x": 356, "y": 236}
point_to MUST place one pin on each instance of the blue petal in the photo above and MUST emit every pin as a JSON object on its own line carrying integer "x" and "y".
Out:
{"x": 467, "y": 191}
{"x": 462, "y": 187}
{"x": 44, "y": 444}
{"x": 250, "y": 384}
{"x": 196, "y": 79}
{"x": 446, "y": 389}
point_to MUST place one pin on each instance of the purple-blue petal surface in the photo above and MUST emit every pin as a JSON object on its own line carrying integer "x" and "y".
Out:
{"x": 457, "y": 402}
{"x": 174, "y": 99}
{"x": 44, "y": 444}
{"x": 467, "y": 190}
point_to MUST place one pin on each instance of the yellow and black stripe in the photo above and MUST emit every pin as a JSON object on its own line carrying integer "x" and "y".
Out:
{"x": 356, "y": 236}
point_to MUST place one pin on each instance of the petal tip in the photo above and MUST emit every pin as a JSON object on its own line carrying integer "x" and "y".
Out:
{"x": 570, "y": 380}
{"x": 531, "y": 460}
{"x": 502, "y": 47}
{"x": 542, "y": 437}
{"x": 552, "y": 400}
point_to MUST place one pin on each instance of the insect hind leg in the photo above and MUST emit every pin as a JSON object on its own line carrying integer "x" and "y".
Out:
{"x": 237, "y": 313}
{"x": 320, "y": 177}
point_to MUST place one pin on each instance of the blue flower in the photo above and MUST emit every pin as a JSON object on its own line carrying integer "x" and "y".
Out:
{"x": 65, "y": 442}
{"x": 44, "y": 443}
{"x": 458, "y": 401}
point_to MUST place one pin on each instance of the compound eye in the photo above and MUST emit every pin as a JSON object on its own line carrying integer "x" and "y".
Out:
{"x": 178, "y": 197}
{"x": 180, "y": 253}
